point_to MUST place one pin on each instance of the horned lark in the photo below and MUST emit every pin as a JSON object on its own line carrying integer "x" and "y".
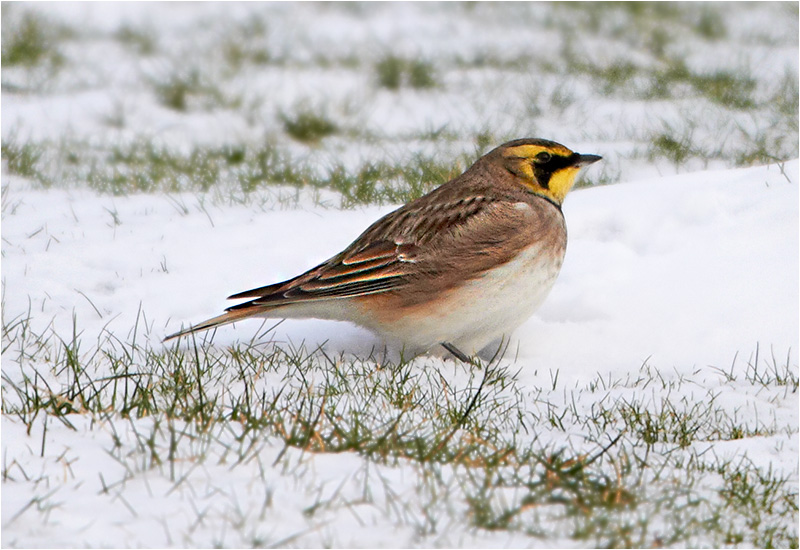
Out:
{"x": 459, "y": 267}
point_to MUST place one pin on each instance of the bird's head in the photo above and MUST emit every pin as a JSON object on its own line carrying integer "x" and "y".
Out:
{"x": 545, "y": 167}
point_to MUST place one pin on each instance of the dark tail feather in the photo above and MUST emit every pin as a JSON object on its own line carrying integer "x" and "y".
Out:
{"x": 258, "y": 292}
{"x": 224, "y": 319}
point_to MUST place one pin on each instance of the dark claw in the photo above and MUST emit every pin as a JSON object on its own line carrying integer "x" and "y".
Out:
{"x": 457, "y": 352}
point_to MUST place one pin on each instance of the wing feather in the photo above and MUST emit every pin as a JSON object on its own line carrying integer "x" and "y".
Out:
{"x": 390, "y": 253}
{"x": 381, "y": 250}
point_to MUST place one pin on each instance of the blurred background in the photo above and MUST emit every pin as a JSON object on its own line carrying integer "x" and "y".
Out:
{"x": 377, "y": 103}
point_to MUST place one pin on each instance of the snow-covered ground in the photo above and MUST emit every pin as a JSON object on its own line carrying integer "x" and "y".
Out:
{"x": 686, "y": 270}
{"x": 684, "y": 273}
{"x": 688, "y": 276}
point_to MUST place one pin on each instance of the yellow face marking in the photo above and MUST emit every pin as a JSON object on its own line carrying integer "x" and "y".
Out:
{"x": 561, "y": 181}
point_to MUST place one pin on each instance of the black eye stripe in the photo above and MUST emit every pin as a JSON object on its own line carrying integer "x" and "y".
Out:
{"x": 543, "y": 178}
{"x": 557, "y": 162}
{"x": 544, "y": 171}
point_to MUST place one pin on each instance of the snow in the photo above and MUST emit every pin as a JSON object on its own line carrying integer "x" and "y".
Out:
{"x": 687, "y": 269}
{"x": 685, "y": 274}
{"x": 676, "y": 269}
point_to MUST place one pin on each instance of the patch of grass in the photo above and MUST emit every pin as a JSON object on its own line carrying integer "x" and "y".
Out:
{"x": 142, "y": 41}
{"x": 684, "y": 424}
{"x": 245, "y": 169}
{"x": 437, "y": 134}
{"x": 246, "y": 44}
{"x": 22, "y": 159}
{"x": 483, "y": 142}
{"x": 613, "y": 77}
{"x": 671, "y": 78}
{"x": 173, "y": 92}
{"x": 30, "y": 42}
{"x": 352, "y": 407}
{"x": 680, "y": 146}
{"x": 786, "y": 101}
{"x": 668, "y": 80}
{"x": 710, "y": 24}
{"x": 729, "y": 89}
{"x": 381, "y": 183}
{"x": 733, "y": 90}
{"x": 633, "y": 472}
{"x": 653, "y": 28}
{"x": 755, "y": 495}
{"x": 147, "y": 167}
{"x": 421, "y": 75}
{"x": 308, "y": 125}
{"x": 760, "y": 148}
{"x": 268, "y": 165}
{"x": 237, "y": 54}
{"x": 658, "y": 42}
{"x": 487, "y": 59}
{"x": 770, "y": 371}
{"x": 394, "y": 72}
{"x": 561, "y": 98}
{"x": 188, "y": 89}
{"x": 350, "y": 61}
{"x": 370, "y": 183}
{"x": 144, "y": 166}
{"x": 677, "y": 149}
{"x": 390, "y": 72}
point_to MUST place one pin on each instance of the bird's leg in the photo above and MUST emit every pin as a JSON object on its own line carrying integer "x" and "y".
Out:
{"x": 457, "y": 352}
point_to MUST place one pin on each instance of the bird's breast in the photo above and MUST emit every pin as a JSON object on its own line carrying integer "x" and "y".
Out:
{"x": 478, "y": 310}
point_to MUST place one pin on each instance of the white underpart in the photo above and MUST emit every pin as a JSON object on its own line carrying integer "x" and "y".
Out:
{"x": 484, "y": 309}
{"x": 469, "y": 317}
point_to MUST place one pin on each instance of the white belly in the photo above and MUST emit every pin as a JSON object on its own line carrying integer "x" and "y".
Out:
{"x": 482, "y": 310}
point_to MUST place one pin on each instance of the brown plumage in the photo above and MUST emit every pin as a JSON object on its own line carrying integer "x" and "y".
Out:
{"x": 407, "y": 275}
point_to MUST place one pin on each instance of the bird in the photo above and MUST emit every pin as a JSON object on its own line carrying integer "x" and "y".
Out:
{"x": 455, "y": 269}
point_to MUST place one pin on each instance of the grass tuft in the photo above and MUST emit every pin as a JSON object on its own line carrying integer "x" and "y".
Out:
{"x": 676, "y": 149}
{"x": 30, "y": 42}
{"x": 637, "y": 469}
{"x": 22, "y": 159}
{"x": 141, "y": 41}
{"x": 246, "y": 44}
{"x": 421, "y": 75}
{"x": 729, "y": 89}
{"x": 381, "y": 183}
{"x": 189, "y": 89}
{"x": 307, "y": 125}
{"x": 390, "y": 72}
{"x": 394, "y": 72}
{"x": 229, "y": 171}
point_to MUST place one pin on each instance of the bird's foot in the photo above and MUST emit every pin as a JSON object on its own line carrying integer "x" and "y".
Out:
{"x": 460, "y": 355}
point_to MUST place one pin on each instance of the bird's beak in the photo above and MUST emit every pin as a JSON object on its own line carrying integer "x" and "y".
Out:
{"x": 585, "y": 160}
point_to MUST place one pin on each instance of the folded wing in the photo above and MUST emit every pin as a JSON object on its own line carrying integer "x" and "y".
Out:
{"x": 382, "y": 259}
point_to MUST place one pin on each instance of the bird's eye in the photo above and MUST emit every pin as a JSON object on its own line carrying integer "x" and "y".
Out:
{"x": 542, "y": 157}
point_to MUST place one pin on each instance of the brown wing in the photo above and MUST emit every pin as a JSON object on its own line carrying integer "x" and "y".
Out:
{"x": 382, "y": 258}
{"x": 425, "y": 250}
